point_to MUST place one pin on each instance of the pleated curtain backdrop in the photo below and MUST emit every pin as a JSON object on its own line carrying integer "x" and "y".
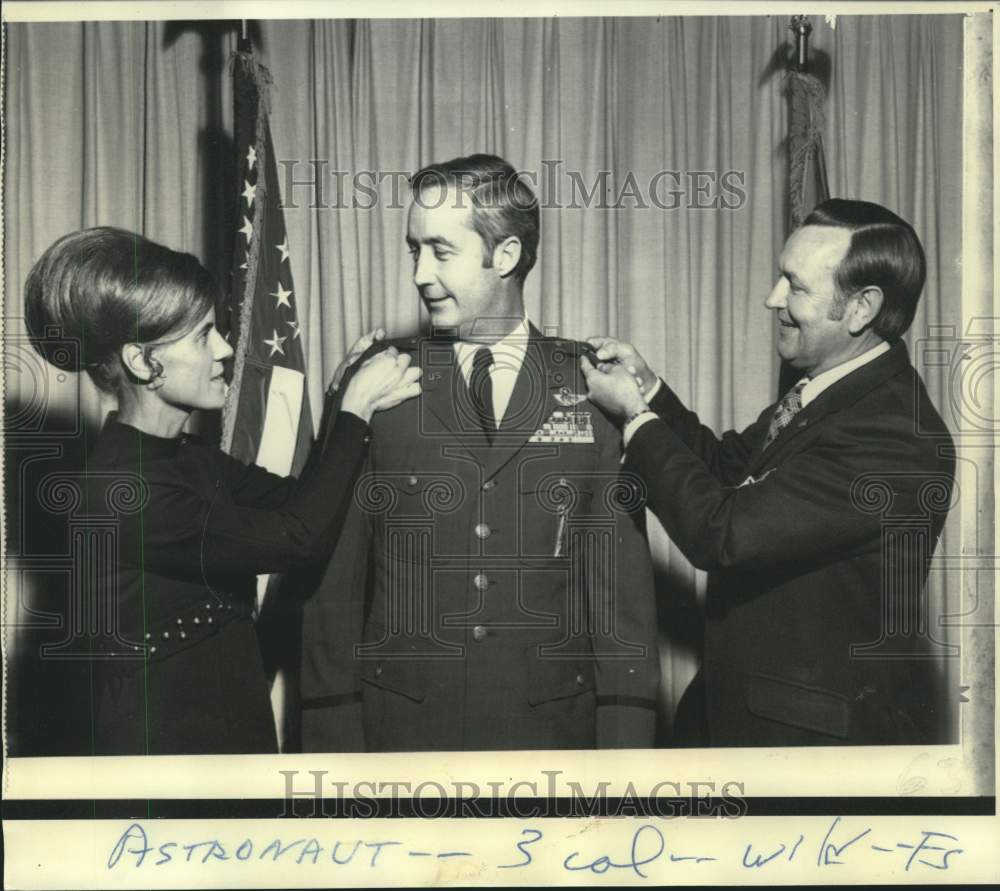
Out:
{"x": 128, "y": 124}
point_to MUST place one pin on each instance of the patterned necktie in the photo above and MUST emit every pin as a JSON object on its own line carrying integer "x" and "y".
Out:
{"x": 788, "y": 408}
{"x": 481, "y": 391}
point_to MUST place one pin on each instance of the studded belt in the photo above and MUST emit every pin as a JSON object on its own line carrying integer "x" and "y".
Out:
{"x": 185, "y": 627}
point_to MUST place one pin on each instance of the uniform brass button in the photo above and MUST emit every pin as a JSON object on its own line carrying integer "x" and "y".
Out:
{"x": 412, "y": 480}
{"x": 152, "y": 649}
{"x": 183, "y": 635}
{"x": 481, "y": 582}
{"x": 378, "y": 671}
{"x": 166, "y": 635}
{"x": 210, "y": 620}
{"x": 483, "y": 531}
{"x": 579, "y": 680}
{"x": 148, "y": 635}
{"x": 479, "y": 633}
{"x": 180, "y": 621}
{"x": 197, "y": 621}
{"x": 367, "y": 438}
{"x": 208, "y": 606}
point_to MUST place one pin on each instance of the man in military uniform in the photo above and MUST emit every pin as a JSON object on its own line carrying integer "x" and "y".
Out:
{"x": 493, "y": 587}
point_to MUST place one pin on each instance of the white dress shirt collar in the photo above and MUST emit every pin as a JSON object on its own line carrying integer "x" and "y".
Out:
{"x": 508, "y": 357}
{"x": 829, "y": 377}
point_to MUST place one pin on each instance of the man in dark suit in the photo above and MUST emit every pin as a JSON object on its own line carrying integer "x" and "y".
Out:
{"x": 818, "y": 521}
{"x": 510, "y": 600}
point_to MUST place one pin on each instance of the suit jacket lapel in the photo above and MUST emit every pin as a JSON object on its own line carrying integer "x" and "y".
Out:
{"x": 840, "y": 395}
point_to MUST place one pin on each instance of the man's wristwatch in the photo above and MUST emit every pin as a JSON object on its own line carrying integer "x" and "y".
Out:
{"x": 631, "y": 416}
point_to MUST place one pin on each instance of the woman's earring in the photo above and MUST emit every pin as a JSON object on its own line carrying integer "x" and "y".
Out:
{"x": 156, "y": 381}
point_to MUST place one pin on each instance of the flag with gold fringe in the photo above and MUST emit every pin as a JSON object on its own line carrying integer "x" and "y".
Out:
{"x": 266, "y": 419}
{"x": 807, "y": 182}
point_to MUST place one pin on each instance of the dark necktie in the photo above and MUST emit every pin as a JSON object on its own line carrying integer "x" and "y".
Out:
{"x": 481, "y": 391}
{"x": 788, "y": 408}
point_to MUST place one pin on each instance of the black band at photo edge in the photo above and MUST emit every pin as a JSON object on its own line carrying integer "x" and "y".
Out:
{"x": 519, "y": 808}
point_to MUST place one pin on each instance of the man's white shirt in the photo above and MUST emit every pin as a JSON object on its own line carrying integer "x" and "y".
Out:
{"x": 508, "y": 357}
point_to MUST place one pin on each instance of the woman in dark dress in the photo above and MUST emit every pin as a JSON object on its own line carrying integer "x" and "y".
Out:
{"x": 177, "y": 669}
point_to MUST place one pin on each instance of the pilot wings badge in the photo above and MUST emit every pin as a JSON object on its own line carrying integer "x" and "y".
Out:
{"x": 566, "y": 397}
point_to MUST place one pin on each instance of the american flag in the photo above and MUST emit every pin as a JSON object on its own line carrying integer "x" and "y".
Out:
{"x": 266, "y": 419}
{"x": 807, "y": 180}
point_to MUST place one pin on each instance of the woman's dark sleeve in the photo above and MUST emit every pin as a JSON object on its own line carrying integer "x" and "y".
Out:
{"x": 254, "y": 486}
{"x": 250, "y": 521}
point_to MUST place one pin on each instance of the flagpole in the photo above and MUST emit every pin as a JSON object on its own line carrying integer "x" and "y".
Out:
{"x": 801, "y": 29}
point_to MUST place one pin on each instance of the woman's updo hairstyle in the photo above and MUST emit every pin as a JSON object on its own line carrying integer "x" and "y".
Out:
{"x": 104, "y": 288}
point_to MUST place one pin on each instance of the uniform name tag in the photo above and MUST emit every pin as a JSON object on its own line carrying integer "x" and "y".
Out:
{"x": 566, "y": 426}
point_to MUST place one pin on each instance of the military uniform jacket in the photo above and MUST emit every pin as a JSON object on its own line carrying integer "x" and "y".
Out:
{"x": 180, "y": 531}
{"x": 487, "y": 596}
{"x": 818, "y": 548}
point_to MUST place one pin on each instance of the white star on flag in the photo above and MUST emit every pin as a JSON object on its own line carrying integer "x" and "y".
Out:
{"x": 249, "y": 192}
{"x": 283, "y": 247}
{"x": 247, "y": 228}
{"x": 295, "y": 329}
{"x": 251, "y": 156}
{"x": 275, "y": 343}
{"x": 282, "y": 297}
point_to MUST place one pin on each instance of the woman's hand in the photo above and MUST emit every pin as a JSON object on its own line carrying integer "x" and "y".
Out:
{"x": 383, "y": 381}
{"x": 353, "y": 354}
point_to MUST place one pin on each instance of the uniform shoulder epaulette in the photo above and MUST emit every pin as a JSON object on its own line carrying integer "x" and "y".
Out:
{"x": 565, "y": 343}
{"x": 571, "y": 348}
{"x": 403, "y": 344}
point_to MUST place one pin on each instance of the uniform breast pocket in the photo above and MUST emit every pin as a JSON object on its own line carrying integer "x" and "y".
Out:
{"x": 550, "y": 510}
{"x": 411, "y": 494}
